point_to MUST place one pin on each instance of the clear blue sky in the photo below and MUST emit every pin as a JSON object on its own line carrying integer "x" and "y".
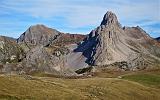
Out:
{"x": 76, "y": 16}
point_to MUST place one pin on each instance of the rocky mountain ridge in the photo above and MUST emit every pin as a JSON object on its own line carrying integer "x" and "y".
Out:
{"x": 110, "y": 43}
{"x": 42, "y": 49}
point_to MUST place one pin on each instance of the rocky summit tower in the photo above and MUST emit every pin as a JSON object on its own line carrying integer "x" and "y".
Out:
{"x": 110, "y": 43}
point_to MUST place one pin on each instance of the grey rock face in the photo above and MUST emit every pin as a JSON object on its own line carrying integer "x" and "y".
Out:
{"x": 109, "y": 18}
{"x": 39, "y": 34}
{"x": 110, "y": 43}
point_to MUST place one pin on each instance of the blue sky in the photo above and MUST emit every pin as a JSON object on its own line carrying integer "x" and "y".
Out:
{"x": 76, "y": 16}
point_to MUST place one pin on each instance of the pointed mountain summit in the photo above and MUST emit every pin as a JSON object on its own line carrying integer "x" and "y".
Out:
{"x": 42, "y": 35}
{"x": 110, "y": 43}
{"x": 110, "y": 18}
{"x": 105, "y": 44}
{"x": 38, "y": 34}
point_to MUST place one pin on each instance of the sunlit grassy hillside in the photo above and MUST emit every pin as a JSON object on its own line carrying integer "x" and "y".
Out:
{"x": 129, "y": 87}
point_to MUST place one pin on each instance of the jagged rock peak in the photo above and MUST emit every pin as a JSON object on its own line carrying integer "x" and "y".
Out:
{"x": 110, "y": 18}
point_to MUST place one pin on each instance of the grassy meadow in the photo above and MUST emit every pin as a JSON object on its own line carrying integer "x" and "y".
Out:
{"x": 143, "y": 85}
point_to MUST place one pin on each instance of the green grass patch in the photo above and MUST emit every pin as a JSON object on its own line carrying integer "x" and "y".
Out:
{"x": 147, "y": 79}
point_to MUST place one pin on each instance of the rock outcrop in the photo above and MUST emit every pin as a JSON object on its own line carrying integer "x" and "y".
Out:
{"x": 110, "y": 43}
{"x": 10, "y": 54}
{"x": 10, "y": 51}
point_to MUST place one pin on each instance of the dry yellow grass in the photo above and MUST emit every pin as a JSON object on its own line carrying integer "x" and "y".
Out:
{"x": 47, "y": 88}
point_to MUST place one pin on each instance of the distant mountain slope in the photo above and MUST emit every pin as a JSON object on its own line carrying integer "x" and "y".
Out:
{"x": 8, "y": 38}
{"x": 40, "y": 34}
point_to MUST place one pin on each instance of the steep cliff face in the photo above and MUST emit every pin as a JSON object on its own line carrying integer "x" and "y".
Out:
{"x": 110, "y": 43}
{"x": 106, "y": 44}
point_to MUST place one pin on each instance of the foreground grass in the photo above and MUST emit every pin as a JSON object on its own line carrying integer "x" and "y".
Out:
{"x": 42, "y": 88}
{"x": 146, "y": 79}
